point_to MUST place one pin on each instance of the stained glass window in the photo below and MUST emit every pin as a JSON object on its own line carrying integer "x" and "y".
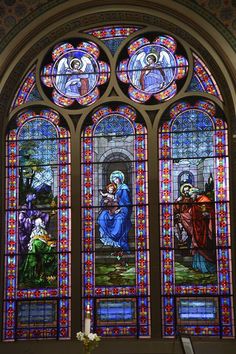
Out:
{"x": 115, "y": 223}
{"x": 72, "y": 73}
{"x": 28, "y": 90}
{"x": 113, "y": 36}
{"x": 37, "y": 254}
{"x": 195, "y": 230}
{"x": 152, "y": 69}
{"x": 202, "y": 79}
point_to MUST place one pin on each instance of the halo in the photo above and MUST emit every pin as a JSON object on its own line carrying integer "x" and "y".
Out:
{"x": 153, "y": 55}
{"x": 73, "y": 60}
{"x": 117, "y": 174}
{"x": 185, "y": 185}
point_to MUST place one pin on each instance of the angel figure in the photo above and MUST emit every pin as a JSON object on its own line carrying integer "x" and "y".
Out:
{"x": 75, "y": 76}
{"x": 149, "y": 71}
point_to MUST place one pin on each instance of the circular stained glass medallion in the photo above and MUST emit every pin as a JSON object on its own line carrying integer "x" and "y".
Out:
{"x": 75, "y": 74}
{"x": 152, "y": 68}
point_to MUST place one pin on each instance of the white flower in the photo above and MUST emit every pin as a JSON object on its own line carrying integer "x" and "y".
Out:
{"x": 92, "y": 336}
{"x": 86, "y": 338}
{"x": 80, "y": 336}
{"x": 96, "y": 337}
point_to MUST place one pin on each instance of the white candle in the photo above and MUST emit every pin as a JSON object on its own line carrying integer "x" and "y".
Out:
{"x": 87, "y": 322}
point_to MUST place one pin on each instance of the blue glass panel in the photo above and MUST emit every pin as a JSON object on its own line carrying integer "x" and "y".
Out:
{"x": 192, "y": 120}
{"x": 113, "y": 44}
{"x": 115, "y": 124}
{"x": 42, "y": 147}
{"x": 116, "y": 311}
{"x": 37, "y": 129}
{"x": 192, "y": 135}
{"x": 198, "y": 309}
{"x": 34, "y": 95}
{"x": 32, "y": 313}
{"x": 195, "y": 84}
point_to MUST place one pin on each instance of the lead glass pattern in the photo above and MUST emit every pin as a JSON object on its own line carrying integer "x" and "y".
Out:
{"x": 28, "y": 90}
{"x": 194, "y": 213}
{"x": 152, "y": 69}
{"x": 202, "y": 79}
{"x": 113, "y": 36}
{"x": 115, "y": 236}
{"x": 37, "y": 253}
{"x": 72, "y": 73}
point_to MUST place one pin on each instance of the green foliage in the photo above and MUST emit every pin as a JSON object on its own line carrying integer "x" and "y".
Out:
{"x": 187, "y": 276}
{"x": 115, "y": 274}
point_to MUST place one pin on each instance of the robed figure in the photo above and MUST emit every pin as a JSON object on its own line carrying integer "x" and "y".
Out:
{"x": 151, "y": 71}
{"x": 114, "y": 227}
{"x": 203, "y": 237}
{"x": 194, "y": 217}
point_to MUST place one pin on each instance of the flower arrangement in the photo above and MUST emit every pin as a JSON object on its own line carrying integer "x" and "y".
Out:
{"x": 90, "y": 341}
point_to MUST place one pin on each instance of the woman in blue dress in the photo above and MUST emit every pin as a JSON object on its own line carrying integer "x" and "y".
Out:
{"x": 114, "y": 228}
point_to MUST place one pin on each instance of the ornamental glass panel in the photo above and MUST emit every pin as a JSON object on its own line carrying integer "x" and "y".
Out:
{"x": 28, "y": 90}
{"x": 72, "y": 73}
{"x": 195, "y": 231}
{"x": 113, "y": 36}
{"x": 202, "y": 79}
{"x": 115, "y": 223}
{"x": 153, "y": 66}
{"x": 37, "y": 253}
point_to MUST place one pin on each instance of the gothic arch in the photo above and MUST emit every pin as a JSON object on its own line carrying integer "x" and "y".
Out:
{"x": 69, "y": 19}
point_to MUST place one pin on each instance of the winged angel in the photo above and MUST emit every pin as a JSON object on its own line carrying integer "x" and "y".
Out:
{"x": 75, "y": 76}
{"x": 152, "y": 71}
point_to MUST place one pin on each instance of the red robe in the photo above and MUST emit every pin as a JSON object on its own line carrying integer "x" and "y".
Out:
{"x": 183, "y": 208}
{"x": 203, "y": 228}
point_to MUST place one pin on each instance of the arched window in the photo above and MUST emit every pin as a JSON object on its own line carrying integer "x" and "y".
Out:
{"x": 148, "y": 127}
{"x": 115, "y": 222}
{"x": 37, "y": 255}
{"x": 195, "y": 232}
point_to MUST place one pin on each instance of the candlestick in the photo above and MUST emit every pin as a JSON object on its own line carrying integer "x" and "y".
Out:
{"x": 87, "y": 322}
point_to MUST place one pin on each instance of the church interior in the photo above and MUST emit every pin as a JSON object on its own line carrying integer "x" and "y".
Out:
{"x": 118, "y": 164}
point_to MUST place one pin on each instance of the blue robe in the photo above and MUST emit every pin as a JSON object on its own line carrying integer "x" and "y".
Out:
{"x": 114, "y": 228}
{"x": 73, "y": 84}
{"x": 152, "y": 78}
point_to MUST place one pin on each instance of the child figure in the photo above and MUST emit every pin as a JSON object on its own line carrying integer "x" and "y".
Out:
{"x": 109, "y": 201}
